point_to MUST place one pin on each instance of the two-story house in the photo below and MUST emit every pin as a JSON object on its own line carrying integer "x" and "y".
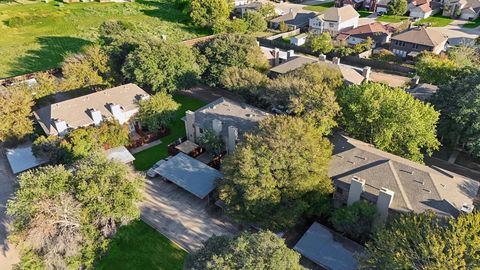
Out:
{"x": 119, "y": 103}
{"x": 417, "y": 40}
{"x": 334, "y": 20}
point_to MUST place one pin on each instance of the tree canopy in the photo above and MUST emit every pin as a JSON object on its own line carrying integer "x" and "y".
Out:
{"x": 230, "y": 50}
{"x": 211, "y": 142}
{"x": 162, "y": 66}
{"x": 248, "y": 251}
{"x": 389, "y": 118}
{"x": 397, "y": 7}
{"x": 255, "y": 21}
{"x": 278, "y": 173}
{"x": 355, "y": 220}
{"x": 247, "y": 82}
{"x": 63, "y": 218}
{"x": 15, "y": 111}
{"x": 321, "y": 43}
{"x": 206, "y": 13}
{"x": 459, "y": 104}
{"x": 157, "y": 111}
{"x": 425, "y": 241}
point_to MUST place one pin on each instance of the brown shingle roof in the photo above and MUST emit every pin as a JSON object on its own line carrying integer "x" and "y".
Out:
{"x": 370, "y": 28}
{"x": 423, "y": 36}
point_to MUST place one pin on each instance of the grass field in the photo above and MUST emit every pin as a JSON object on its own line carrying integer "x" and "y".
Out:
{"x": 37, "y": 36}
{"x": 391, "y": 18}
{"x": 145, "y": 159}
{"x": 320, "y": 7}
{"x": 138, "y": 246}
{"x": 435, "y": 21}
{"x": 472, "y": 24}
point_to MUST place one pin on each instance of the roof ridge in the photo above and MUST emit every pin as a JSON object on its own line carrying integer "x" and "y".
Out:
{"x": 400, "y": 186}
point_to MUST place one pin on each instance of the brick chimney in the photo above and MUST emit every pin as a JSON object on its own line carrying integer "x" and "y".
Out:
{"x": 276, "y": 57}
{"x": 232, "y": 138}
{"x": 189, "y": 120}
{"x": 217, "y": 126}
{"x": 356, "y": 189}
{"x": 290, "y": 54}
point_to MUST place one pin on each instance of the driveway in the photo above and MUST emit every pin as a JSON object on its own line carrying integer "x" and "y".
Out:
{"x": 180, "y": 216}
{"x": 457, "y": 34}
{"x": 8, "y": 253}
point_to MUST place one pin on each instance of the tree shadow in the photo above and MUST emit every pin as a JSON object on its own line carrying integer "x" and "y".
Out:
{"x": 52, "y": 52}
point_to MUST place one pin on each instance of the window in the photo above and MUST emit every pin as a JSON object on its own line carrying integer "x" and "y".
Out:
{"x": 331, "y": 25}
{"x": 415, "y": 46}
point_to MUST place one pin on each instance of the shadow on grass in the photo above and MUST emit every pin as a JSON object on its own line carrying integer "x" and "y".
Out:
{"x": 51, "y": 54}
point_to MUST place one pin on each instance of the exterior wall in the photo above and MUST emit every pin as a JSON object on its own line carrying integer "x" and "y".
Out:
{"x": 316, "y": 25}
{"x": 401, "y": 48}
{"x": 419, "y": 14}
{"x": 298, "y": 41}
{"x": 381, "y": 8}
{"x": 347, "y": 25}
{"x": 355, "y": 40}
{"x": 468, "y": 15}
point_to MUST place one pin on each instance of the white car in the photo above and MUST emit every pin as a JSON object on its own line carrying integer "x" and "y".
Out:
{"x": 151, "y": 172}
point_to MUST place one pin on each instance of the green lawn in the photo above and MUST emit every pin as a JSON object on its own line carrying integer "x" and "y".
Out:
{"x": 435, "y": 21}
{"x": 37, "y": 36}
{"x": 364, "y": 13}
{"x": 472, "y": 24}
{"x": 145, "y": 159}
{"x": 391, "y": 18}
{"x": 320, "y": 7}
{"x": 138, "y": 246}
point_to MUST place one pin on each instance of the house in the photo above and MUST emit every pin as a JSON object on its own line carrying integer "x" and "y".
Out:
{"x": 453, "y": 8}
{"x": 471, "y": 11}
{"x": 292, "y": 19}
{"x": 421, "y": 9}
{"x": 240, "y": 10}
{"x": 381, "y": 6}
{"x": 292, "y": 64}
{"x": 356, "y": 4}
{"x": 119, "y": 103}
{"x": 423, "y": 91}
{"x": 335, "y": 20}
{"x": 395, "y": 184}
{"x": 228, "y": 119}
{"x": 276, "y": 56}
{"x": 328, "y": 249}
{"x": 377, "y": 31}
{"x": 414, "y": 41}
{"x": 299, "y": 40}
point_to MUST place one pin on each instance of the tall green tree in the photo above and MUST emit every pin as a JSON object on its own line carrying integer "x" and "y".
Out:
{"x": 389, "y": 118}
{"x": 248, "y": 251}
{"x": 436, "y": 69}
{"x": 247, "y": 82}
{"x": 321, "y": 43}
{"x": 15, "y": 111}
{"x": 163, "y": 66}
{"x": 268, "y": 11}
{"x": 206, "y": 13}
{"x": 459, "y": 106}
{"x": 230, "y": 50}
{"x": 397, "y": 7}
{"x": 356, "y": 220}
{"x": 278, "y": 173}
{"x": 211, "y": 142}
{"x": 255, "y": 21}
{"x": 425, "y": 241}
{"x": 157, "y": 111}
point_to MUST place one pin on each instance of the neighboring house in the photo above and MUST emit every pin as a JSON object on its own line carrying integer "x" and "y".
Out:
{"x": 299, "y": 40}
{"x": 240, "y": 10}
{"x": 421, "y": 9}
{"x": 356, "y": 4}
{"x": 453, "y": 8}
{"x": 377, "y": 31}
{"x": 381, "y": 6}
{"x": 335, "y": 20}
{"x": 423, "y": 91}
{"x": 119, "y": 103}
{"x": 471, "y": 11}
{"x": 292, "y": 64}
{"x": 276, "y": 56}
{"x": 414, "y": 41}
{"x": 292, "y": 19}
{"x": 240, "y": 2}
{"x": 395, "y": 184}
{"x": 227, "y": 118}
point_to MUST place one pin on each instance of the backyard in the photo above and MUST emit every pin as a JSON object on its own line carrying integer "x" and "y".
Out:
{"x": 435, "y": 21}
{"x": 145, "y": 159}
{"x": 37, "y": 36}
{"x": 391, "y": 18}
{"x": 138, "y": 246}
{"x": 320, "y": 7}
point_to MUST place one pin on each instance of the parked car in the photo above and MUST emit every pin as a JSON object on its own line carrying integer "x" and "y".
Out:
{"x": 151, "y": 172}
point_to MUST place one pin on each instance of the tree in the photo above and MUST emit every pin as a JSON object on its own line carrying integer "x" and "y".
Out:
{"x": 278, "y": 173}
{"x": 464, "y": 56}
{"x": 321, "y": 43}
{"x": 308, "y": 92}
{"x": 458, "y": 102}
{"x": 46, "y": 85}
{"x": 255, "y": 21}
{"x": 424, "y": 241}
{"x": 238, "y": 26}
{"x": 397, "y": 7}
{"x": 282, "y": 27}
{"x": 268, "y": 11}
{"x": 435, "y": 69}
{"x": 363, "y": 46}
{"x": 157, "y": 111}
{"x": 211, "y": 142}
{"x": 54, "y": 149}
{"x": 82, "y": 142}
{"x": 248, "y": 82}
{"x": 163, "y": 66}
{"x": 248, "y": 251}
{"x": 205, "y": 13}
{"x": 15, "y": 112}
{"x": 389, "y": 118}
{"x": 112, "y": 134}
{"x": 355, "y": 220}
{"x": 230, "y": 50}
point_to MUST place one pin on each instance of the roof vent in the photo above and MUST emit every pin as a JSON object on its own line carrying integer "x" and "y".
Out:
{"x": 360, "y": 157}
{"x": 340, "y": 156}
{"x": 420, "y": 182}
{"x": 249, "y": 115}
{"x": 349, "y": 161}
{"x": 405, "y": 171}
{"x": 427, "y": 190}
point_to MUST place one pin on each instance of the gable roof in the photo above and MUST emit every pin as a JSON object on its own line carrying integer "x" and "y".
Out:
{"x": 76, "y": 111}
{"x": 293, "y": 18}
{"x": 370, "y": 28}
{"x": 472, "y": 5}
{"x": 341, "y": 14}
{"x": 422, "y": 36}
{"x": 417, "y": 187}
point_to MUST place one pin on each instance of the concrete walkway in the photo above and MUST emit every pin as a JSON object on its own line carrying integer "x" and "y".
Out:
{"x": 145, "y": 146}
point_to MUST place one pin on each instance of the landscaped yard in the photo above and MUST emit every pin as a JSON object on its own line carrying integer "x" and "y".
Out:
{"x": 320, "y": 7}
{"x": 37, "y": 36}
{"x": 435, "y": 21}
{"x": 145, "y": 159}
{"x": 138, "y": 246}
{"x": 472, "y": 24}
{"x": 364, "y": 13}
{"x": 391, "y": 18}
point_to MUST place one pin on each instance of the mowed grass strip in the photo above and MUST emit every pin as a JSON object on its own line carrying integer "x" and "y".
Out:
{"x": 391, "y": 18}
{"x": 35, "y": 37}
{"x": 320, "y": 7}
{"x": 138, "y": 246}
{"x": 145, "y": 159}
{"x": 435, "y": 21}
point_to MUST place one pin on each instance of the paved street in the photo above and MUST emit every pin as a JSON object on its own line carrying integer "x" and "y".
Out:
{"x": 8, "y": 253}
{"x": 457, "y": 34}
{"x": 180, "y": 216}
